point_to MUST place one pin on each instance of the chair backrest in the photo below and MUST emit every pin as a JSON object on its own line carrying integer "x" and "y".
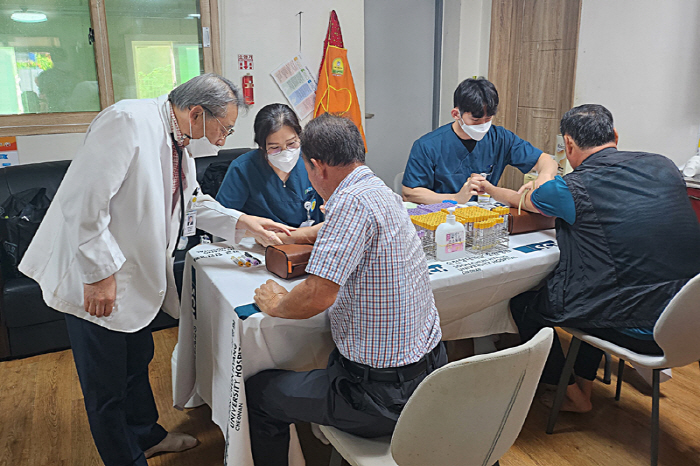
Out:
{"x": 224, "y": 155}
{"x": 677, "y": 331}
{"x": 398, "y": 183}
{"x": 15, "y": 179}
{"x": 470, "y": 412}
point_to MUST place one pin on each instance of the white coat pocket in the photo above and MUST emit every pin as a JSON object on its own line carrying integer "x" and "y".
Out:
{"x": 71, "y": 288}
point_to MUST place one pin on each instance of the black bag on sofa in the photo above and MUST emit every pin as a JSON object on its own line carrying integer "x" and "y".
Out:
{"x": 213, "y": 177}
{"x": 20, "y": 216}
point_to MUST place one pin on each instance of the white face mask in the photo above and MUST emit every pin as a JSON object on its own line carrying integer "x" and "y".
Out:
{"x": 202, "y": 147}
{"x": 285, "y": 160}
{"x": 476, "y": 132}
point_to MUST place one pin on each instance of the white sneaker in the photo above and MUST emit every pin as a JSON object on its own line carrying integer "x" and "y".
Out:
{"x": 173, "y": 442}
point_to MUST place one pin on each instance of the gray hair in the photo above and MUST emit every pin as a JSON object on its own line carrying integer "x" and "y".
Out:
{"x": 213, "y": 92}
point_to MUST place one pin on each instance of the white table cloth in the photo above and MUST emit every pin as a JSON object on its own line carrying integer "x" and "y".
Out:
{"x": 217, "y": 351}
{"x": 472, "y": 293}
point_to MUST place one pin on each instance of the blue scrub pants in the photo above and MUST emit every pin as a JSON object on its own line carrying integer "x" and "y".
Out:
{"x": 113, "y": 371}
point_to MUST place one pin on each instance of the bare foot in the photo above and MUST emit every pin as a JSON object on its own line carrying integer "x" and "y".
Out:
{"x": 173, "y": 442}
{"x": 586, "y": 386}
{"x": 576, "y": 400}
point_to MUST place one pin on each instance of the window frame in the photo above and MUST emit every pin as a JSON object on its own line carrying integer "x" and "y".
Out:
{"x": 78, "y": 122}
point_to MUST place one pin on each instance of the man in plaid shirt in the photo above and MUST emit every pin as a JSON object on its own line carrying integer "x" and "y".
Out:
{"x": 368, "y": 269}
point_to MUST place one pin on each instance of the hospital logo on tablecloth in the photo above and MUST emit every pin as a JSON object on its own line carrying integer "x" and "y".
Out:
{"x": 436, "y": 268}
{"x": 534, "y": 247}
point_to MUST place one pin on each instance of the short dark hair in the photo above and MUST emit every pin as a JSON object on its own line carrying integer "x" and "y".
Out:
{"x": 473, "y": 95}
{"x": 589, "y": 125}
{"x": 333, "y": 140}
{"x": 272, "y": 118}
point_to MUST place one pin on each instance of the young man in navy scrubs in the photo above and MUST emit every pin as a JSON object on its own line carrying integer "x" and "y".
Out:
{"x": 450, "y": 162}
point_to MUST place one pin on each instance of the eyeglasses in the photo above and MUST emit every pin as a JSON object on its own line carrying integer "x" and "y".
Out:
{"x": 276, "y": 150}
{"x": 227, "y": 131}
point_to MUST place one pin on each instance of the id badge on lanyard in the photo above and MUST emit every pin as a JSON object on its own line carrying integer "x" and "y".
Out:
{"x": 190, "y": 226}
{"x": 309, "y": 206}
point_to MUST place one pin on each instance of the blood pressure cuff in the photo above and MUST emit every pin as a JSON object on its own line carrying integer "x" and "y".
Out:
{"x": 288, "y": 260}
{"x": 526, "y": 222}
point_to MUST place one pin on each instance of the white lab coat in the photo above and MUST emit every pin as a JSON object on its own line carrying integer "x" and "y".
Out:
{"x": 112, "y": 215}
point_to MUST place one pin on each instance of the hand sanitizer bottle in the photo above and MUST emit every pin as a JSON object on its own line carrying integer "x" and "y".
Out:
{"x": 449, "y": 238}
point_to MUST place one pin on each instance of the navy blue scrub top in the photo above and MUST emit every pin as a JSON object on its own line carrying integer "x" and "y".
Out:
{"x": 251, "y": 186}
{"x": 440, "y": 162}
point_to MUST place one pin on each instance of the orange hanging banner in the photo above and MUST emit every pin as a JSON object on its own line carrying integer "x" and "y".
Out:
{"x": 336, "y": 92}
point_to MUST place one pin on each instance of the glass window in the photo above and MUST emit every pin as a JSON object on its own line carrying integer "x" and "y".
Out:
{"x": 153, "y": 46}
{"x": 56, "y": 72}
{"x": 46, "y": 62}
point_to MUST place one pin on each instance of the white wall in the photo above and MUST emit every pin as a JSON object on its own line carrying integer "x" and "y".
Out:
{"x": 269, "y": 30}
{"x": 465, "y": 47}
{"x": 474, "y": 39}
{"x": 48, "y": 147}
{"x": 641, "y": 59}
{"x": 407, "y": 51}
{"x": 451, "y": 56}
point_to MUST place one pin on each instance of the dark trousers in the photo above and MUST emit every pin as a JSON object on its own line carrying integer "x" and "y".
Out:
{"x": 113, "y": 371}
{"x": 332, "y": 397}
{"x": 526, "y": 308}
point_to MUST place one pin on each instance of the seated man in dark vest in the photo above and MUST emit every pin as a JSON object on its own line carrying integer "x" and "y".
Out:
{"x": 629, "y": 241}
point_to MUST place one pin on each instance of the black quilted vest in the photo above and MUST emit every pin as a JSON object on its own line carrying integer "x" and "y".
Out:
{"x": 634, "y": 244}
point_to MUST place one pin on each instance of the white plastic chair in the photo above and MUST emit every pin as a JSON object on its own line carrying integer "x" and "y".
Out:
{"x": 398, "y": 183}
{"x": 676, "y": 332}
{"x": 467, "y": 413}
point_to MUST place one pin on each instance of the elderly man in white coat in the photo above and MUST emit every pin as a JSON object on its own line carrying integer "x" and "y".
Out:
{"x": 103, "y": 254}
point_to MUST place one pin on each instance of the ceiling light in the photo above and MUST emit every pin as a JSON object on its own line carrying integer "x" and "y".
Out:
{"x": 28, "y": 17}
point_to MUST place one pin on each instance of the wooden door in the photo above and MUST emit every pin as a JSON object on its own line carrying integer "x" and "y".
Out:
{"x": 532, "y": 62}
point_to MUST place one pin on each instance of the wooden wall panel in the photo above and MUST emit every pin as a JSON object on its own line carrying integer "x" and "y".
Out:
{"x": 545, "y": 20}
{"x": 539, "y": 126}
{"x": 503, "y": 59}
{"x": 543, "y": 61}
{"x": 532, "y": 63}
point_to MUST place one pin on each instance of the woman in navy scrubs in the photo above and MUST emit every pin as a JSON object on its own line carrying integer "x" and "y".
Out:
{"x": 271, "y": 181}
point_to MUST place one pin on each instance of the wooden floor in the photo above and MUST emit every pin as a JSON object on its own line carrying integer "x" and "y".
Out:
{"x": 43, "y": 421}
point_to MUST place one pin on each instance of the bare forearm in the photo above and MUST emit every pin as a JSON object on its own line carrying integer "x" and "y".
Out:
{"x": 504, "y": 195}
{"x": 306, "y": 235}
{"x": 425, "y": 196}
{"x": 546, "y": 167}
{"x": 309, "y": 298}
{"x": 510, "y": 197}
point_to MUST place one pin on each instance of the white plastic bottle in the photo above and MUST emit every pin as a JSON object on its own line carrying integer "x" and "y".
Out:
{"x": 449, "y": 238}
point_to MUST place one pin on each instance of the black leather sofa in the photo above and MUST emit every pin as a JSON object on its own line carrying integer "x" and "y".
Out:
{"x": 27, "y": 325}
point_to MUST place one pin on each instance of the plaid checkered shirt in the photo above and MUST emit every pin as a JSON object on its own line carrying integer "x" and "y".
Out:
{"x": 384, "y": 315}
{"x": 179, "y": 138}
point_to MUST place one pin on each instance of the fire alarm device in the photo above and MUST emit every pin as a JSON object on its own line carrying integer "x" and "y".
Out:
{"x": 247, "y": 85}
{"x": 245, "y": 62}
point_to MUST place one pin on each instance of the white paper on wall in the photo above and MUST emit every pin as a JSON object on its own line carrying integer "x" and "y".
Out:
{"x": 298, "y": 85}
